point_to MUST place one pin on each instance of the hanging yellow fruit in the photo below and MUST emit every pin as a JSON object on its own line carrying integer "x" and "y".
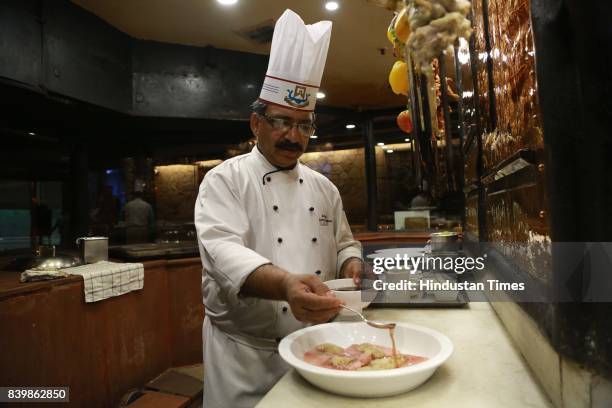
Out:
{"x": 391, "y": 36}
{"x": 398, "y": 78}
{"x": 401, "y": 27}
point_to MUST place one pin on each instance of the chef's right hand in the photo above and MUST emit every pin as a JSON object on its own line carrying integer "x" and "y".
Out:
{"x": 310, "y": 299}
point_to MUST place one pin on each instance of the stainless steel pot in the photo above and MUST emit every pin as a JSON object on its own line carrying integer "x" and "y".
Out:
{"x": 444, "y": 242}
{"x": 93, "y": 249}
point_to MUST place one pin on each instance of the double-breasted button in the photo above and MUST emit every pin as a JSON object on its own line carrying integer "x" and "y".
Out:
{"x": 311, "y": 209}
{"x": 280, "y": 240}
{"x": 301, "y": 181}
{"x": 314, "y": 239}
{"x": 275, "y": 207}
{"x": 318, "y": 272}
{"x": 285, "y": 309}
{"x": 268, "y": 179}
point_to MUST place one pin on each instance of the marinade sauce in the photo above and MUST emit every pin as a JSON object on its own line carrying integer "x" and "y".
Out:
{"x": 392, "y": 334}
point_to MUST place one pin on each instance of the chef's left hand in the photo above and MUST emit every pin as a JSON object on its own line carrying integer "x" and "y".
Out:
{"x": 353, "y": 268}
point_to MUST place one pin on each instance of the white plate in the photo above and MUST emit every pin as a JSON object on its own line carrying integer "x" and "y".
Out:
{"x": 411, "y": 339}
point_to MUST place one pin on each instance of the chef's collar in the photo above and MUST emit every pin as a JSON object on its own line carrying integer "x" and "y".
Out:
{"x": 269, "y": 165}
{"x": 271, "y": 168}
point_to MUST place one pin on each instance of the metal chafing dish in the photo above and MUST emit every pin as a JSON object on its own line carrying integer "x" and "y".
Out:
{"x": 45, "y": 258}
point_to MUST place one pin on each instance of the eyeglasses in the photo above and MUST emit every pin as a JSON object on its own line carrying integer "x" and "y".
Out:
{"x": 285, "y": 125}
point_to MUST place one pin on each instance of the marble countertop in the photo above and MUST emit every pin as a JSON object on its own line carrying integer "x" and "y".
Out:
{"x": 485, "y": 370}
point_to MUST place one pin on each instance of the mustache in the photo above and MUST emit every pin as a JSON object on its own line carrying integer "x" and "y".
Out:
{"x": 287, "y": 145}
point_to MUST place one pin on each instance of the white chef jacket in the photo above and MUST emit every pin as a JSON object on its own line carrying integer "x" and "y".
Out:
{"x": 247, "y": 214}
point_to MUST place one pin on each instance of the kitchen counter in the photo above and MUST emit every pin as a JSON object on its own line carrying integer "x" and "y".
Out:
{"x": 101, "y": 349}
{"x": 152, "y": 250}
{"x": 10, "y": 285}
{"x": 144, "y": 252}
{"x": 393, "y": 237}
{"x": 485, "y": 370}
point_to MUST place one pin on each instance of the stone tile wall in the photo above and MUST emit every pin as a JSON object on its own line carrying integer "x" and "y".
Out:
{"x": 346, "y": 169}
{"x": 177, "y": 185}
{"x": 176, "y": 189}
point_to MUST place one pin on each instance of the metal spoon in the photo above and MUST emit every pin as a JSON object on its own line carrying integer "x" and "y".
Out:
{"x": 377, "y": 325}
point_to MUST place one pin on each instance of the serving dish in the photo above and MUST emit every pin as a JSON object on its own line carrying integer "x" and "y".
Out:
{"x": 411, "y": 339}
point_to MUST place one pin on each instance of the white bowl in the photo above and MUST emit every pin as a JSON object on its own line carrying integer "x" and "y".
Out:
{"x": 355, "y": 299}
{"x": 410, "y": 339}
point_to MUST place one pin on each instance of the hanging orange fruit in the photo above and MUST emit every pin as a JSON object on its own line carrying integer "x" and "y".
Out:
{"x": 398, "y": 78}
{"x": 404, "y": 121}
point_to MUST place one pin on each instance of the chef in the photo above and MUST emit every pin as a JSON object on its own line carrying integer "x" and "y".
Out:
{"x": 270, "y": 230}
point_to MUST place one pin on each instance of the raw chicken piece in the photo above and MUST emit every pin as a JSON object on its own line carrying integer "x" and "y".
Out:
{"x": 386, "y": 363}
{"x": 363, "y": 356}
{"x": 353, "y": 351}
{"x": 375, "y": 351}
{"x": 330, "y": 348}
{"x": 317, "y": 358}
{"x": 341, "y": 362}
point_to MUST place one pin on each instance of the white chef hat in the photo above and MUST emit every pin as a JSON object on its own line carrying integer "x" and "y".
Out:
{"x": 297, "y": 60}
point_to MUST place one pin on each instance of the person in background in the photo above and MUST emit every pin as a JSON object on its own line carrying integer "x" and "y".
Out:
{"x": 139, "y": 219}
{"x": 422, "y": 198}
{"x": 137, "y": 212}
{"x": 270, "y": 230}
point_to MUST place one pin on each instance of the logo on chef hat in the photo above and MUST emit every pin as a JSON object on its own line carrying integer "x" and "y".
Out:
{"x": 297, "y": 97}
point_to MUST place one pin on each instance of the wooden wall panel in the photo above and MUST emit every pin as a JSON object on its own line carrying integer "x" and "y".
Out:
{"x": 515, "y": 87}
{"x": 186, "y": 309}
{"x": 100, "y": 350}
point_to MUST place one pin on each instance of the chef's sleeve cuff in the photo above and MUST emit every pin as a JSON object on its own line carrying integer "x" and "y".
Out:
{"x": 346, "y": 253}
{"x": 239, "y": 270}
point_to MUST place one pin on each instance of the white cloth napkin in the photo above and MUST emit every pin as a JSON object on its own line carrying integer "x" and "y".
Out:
{"x": 103, "y": 280}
